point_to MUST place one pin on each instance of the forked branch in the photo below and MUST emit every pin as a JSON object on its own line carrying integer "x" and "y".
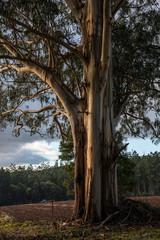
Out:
{"x": 19, "y": 124}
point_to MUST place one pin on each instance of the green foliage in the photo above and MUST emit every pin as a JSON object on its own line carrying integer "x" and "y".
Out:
{"x": 125, "y": 173}
{"x": 147, "y": 174}
{"x": 20, "y": 184}
{"x": 136, "y": 69}
{"x": 66, "y": 148}
{"x": 69, "y": 181}
{"x": 67, "y": 159}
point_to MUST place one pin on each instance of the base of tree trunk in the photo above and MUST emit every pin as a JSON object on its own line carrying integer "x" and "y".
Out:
{"x": 129, "y": 212}
{"x": 132, "y": 212}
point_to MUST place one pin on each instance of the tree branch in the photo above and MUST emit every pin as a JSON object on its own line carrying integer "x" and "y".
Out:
{"x": 144, "y": 120}
{"x": 75, "y": 75}
{"x": 49, "y": 107}
{"x": 131, "y": 129}
{"x": 120, "y": 108}
{"x": 68, "y": 99}
{"x": 18, "y": 69}
{"x": 46, "y": 108}
{"x": 49, "y": 37}
{"x": 59, "y": 125}
{"x": 76, "y": 8}
{"x": 117, "y": 5}
{"x": 153, "y": 46}
{"x": 10, "y": 47}
{"x": 51, "y": 78}
{"x": 45, "y": 73}
{"x": 26, "y": 18}
{"x": 42, "y": 91}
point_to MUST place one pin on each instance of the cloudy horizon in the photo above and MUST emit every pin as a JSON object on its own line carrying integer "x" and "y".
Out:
{"x": 26, "y": 149}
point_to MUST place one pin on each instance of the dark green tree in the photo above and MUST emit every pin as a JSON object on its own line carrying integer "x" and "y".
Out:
{"x": 66, "y": 157}
{"x": 66, "y": 149}
{"x": 147, "y": 173}
{"x": 44, "y": 182}
{"x": 125, "y": 173}
{"x": 4, "y": 186}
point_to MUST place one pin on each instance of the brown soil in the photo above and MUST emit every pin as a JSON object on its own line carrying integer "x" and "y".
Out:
{"x": 154, "y": 201}
{"x": 61, "y": 211}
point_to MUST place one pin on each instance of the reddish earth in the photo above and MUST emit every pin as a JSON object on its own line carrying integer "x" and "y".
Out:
{"x": 40, "y": 211}
{"x": 61, "y": 211}
{"x": 154, "y": 201}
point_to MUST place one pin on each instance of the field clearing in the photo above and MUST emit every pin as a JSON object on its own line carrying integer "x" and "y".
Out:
{"x": 41, "y": 221}
{"x": 61, "y": 210}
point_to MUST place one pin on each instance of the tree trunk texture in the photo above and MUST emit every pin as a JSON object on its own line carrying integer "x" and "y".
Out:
{"x": 95, "y": 168}
{"x": 93, "y": 126}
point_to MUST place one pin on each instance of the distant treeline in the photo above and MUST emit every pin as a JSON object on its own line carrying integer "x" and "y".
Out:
{"x": 137, "y": 176}
{"x": 147, "y": 174}
{"x": 21, "y": 184}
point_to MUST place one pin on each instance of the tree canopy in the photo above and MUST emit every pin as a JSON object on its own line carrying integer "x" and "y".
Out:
{"x": 45, "y": 35}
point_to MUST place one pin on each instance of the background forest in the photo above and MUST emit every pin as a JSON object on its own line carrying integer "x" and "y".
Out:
{"x": 137, "y": 176}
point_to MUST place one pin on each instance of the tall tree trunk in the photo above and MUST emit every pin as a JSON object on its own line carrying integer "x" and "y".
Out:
{"x": 93, "y": 126}
{"x": 93, "y": 136}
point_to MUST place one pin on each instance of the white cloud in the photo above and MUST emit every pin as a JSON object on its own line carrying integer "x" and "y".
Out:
{"x": 41, "y": 148}
{"x": 20, "y": 157}
{"x": 26, "y": 149}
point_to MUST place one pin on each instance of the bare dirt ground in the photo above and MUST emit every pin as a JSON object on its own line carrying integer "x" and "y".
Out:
{"x": 154, "y": 201}
{"x": 61, "y": 211}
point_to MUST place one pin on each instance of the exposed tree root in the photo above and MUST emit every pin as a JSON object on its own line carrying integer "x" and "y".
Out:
{"x": 107, "y": 219}
{"x": 129, "y": 212}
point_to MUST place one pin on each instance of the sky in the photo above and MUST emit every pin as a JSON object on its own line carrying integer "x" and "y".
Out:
{"x": 26, "y": 149}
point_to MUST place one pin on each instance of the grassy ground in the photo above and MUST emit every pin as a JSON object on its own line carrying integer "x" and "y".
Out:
{"x": 29, "y": 230}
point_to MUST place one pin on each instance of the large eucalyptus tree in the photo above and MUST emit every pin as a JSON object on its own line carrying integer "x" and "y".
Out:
{"x": 61, "y": 53}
